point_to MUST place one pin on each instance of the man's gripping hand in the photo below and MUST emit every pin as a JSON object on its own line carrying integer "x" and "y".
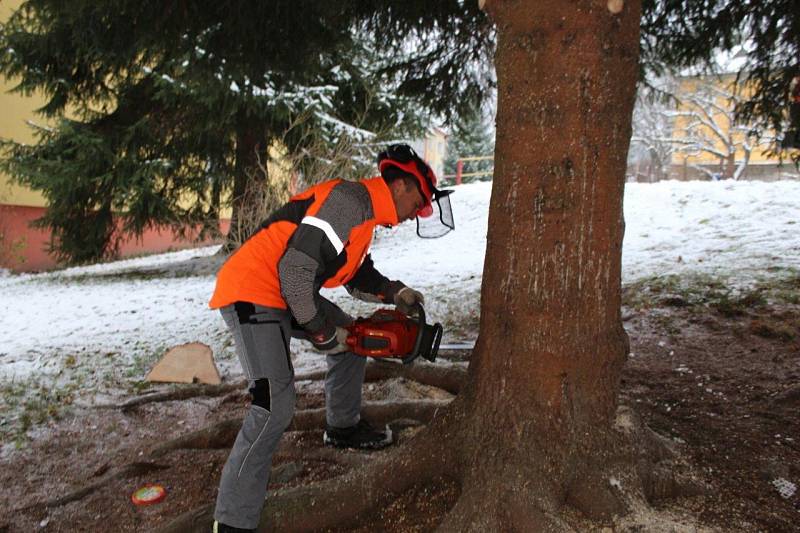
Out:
{"x": 406, "y": 298}
{"x": 331, "y": 340}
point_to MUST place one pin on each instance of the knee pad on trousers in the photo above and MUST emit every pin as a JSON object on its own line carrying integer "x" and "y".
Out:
{"x": 260, "y": 394}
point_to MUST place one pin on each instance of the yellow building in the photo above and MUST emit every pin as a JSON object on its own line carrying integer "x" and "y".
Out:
{"x": 23, "y": 248}
{"x": 708, "y": 144}
{"x": 18, "y": 205}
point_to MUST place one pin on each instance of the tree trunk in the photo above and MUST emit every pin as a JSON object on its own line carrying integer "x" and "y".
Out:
{"x": 544, "y": 376}
{"x": 730, "y": 163}
{"x": 551, "y": 333}
{"x": 251, "y": 151}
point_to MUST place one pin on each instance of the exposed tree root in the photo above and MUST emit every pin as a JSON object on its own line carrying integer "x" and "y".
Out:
{"x": 350, "y": 458}
{"x": 631, "y": 464}
{"x": 285, "y": 453}
{"x": 446, "y": 377}
{"x": 130, "y": 470}
{"x": 222, "y": 434}
{"x": 376, "y": 412}
{"x": 340, "y": 502}
{"x": 219, "y": 435}
{"x": 788, "y": 396}
{"x": 449, "y": 377}
{"x": 180, "y": 393}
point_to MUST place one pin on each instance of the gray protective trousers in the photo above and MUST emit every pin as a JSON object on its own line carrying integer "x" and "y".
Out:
{"x": 262, "y": 344}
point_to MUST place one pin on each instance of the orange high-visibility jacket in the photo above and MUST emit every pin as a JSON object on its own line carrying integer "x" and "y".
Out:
{"x": 251, "y": 273}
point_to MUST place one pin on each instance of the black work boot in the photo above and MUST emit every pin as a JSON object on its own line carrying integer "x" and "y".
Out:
{"x": 222, "y": 528}
{"x": 361, "y": 436}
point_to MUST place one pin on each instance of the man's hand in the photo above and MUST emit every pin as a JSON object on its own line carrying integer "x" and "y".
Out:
{"x": 406, "y": 298}
{"x": 331, "y": 340}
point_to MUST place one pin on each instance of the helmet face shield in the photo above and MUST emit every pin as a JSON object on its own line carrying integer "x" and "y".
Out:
{"x": 439, "y": 219}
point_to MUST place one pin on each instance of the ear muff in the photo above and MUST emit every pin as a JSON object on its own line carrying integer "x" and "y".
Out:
{"x": 425, "y": 211}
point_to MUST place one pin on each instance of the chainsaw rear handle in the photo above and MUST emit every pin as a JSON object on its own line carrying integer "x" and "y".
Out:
{"x": 423, "y": 331}
{"x": 420, "y": 333}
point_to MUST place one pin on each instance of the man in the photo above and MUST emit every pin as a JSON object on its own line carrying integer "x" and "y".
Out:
{"x": 268, "y": 291}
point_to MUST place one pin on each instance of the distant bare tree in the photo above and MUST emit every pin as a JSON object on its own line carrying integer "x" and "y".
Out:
{"x": 652, "y": 145}
{"x": 709, "y": 127}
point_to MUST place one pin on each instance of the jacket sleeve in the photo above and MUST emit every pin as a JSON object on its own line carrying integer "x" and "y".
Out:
{"x": 371, "y": 286}
{"x": 317, "y": 242}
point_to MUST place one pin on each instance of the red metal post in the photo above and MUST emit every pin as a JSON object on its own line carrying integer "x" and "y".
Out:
{"x": 459, "y": 171}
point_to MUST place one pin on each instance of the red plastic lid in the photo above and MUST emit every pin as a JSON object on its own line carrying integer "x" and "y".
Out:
{"x": 149, "y": 494}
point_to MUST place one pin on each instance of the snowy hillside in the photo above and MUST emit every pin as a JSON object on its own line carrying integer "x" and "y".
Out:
{"x": 106, "y": 324}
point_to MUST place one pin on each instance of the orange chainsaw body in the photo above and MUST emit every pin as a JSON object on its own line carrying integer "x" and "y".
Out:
{"x": 390, "y": 333}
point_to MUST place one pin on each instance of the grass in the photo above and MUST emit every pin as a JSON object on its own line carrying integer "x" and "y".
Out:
{"x": 729, "y": 304}
{"x": 702, "y": 292}
{"x": 143, "y": 361}
{"x": 762, "y": 303}
{"x": 772, "y": 329}
{"x": 786, "y": 288}
{"x": 123, "y": 275}
{"x": 27, "y": 404}
{"x": 33, "y": 402}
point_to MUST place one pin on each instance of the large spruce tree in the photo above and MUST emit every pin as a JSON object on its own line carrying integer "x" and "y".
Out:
{"x": 159, "y": 111}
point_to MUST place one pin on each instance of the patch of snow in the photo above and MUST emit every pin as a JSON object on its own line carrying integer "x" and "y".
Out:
{"x": 784, "y": 487}
{"x": 109, "y": 322}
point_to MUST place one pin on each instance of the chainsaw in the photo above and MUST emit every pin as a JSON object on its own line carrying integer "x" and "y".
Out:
{"x": 390, "y": 333}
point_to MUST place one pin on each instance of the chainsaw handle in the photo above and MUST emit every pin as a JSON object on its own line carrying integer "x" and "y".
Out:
{"x": 420, "y": 333}
{"x": 420, "y": 313}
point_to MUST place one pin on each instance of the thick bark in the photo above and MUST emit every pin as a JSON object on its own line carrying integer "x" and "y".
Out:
{"x": 551, "y": 334}
{"x": 544, "y": 376}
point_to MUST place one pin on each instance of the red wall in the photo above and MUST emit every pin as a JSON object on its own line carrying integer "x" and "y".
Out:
{"x": 24, "y": 249}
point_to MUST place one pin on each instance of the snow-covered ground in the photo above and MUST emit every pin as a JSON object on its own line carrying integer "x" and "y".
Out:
{"x": 103, "y": 326}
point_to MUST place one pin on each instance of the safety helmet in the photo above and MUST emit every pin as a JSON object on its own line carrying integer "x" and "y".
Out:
{"x": 403, "y": 157}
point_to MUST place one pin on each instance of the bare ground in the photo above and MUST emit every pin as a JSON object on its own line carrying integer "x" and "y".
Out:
{"x": 722, "y": 383}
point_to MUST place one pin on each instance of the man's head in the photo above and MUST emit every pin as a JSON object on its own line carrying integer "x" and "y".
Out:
{"x": 407, "y": 196}
{"x": 401, "y": 161}
{"x": 413, "y": 186}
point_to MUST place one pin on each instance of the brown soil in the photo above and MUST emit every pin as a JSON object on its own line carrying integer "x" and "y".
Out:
{"x": 726, "y": 389}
